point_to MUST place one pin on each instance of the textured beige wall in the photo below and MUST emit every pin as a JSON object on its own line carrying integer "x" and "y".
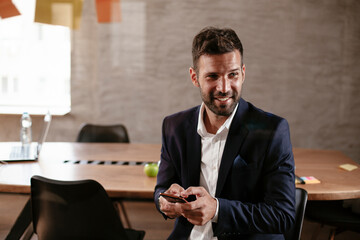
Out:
{"x": 302, "y": 60}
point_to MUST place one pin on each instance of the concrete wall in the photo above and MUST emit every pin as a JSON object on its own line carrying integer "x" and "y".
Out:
{"x": 302, "y": 60}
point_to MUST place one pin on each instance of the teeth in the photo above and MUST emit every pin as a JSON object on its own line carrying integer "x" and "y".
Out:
{"x": 223, "y": 99}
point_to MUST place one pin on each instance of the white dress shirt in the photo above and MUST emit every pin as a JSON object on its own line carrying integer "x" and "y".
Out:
{"x": 212, "y": 148}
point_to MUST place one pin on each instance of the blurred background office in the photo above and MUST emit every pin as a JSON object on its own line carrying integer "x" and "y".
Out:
{"x": 302, "y": 63}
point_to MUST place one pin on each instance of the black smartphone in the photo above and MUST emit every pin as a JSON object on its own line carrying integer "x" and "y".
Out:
{"x": 173, "y": 198}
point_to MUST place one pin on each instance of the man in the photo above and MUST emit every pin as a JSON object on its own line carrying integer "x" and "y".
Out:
{"x": 235, "y": 158}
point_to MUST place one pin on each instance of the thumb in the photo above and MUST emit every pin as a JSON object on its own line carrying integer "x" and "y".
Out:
{"x": 198, "y": 191}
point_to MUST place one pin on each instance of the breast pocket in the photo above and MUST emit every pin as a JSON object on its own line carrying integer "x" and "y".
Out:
{"x": 243, "y": 179}
{"x": 240, "y": 164}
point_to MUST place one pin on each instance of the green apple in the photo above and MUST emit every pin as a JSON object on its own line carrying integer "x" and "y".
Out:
{"x": 151, "y": 169}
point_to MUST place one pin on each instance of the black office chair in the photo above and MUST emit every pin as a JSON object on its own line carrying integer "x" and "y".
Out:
{"x": 332, "y": 213}
{"x": 103, "y": 133}
{"x": 75, "y": 210}
{"x": 300, "y": 204}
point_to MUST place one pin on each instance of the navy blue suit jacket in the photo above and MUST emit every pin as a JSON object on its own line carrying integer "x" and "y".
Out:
{"x": 256, "y": 186}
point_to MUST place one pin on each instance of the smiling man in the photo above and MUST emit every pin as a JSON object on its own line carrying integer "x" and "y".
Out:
{"x": 232, "y": 161}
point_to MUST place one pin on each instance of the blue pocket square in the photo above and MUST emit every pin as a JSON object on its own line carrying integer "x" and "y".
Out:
{"x": 239, "y": 162}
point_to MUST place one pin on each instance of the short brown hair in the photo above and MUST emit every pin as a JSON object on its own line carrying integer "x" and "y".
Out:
{"x": 211, "y": 40}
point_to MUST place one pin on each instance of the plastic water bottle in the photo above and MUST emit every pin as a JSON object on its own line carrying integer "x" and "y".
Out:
{"x": 25, "y": 133}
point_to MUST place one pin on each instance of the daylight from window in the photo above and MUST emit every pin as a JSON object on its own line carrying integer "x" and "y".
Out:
{"x": 34, "y": 64}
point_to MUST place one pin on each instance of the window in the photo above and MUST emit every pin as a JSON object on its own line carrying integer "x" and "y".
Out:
{"x": 34, "y": 64}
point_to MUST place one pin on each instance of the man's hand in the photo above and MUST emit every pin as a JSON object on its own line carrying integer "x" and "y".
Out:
{"x": 172, "y": 210}
{"x": 200, "y": 211}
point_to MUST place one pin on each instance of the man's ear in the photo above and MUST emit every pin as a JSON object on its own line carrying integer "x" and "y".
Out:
{"x": 194, "y": 78}
{"x": 243, "y": 72}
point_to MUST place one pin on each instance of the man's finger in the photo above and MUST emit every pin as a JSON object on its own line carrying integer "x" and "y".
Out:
{"x": 198, "y": 191}
{"x": 175, "y": 189}
{"x": 171, "y": 210}
{"x": 191, "y": 206}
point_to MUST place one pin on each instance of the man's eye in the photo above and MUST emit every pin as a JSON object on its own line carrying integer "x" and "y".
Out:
{"x": 212, "y": 76}
{"x": 234, "y": 74}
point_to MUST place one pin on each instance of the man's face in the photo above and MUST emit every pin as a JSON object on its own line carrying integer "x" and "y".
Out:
{"x": 220, "y": 78}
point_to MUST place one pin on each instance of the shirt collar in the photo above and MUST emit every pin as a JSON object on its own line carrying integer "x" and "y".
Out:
{"x": 201, "y": 129}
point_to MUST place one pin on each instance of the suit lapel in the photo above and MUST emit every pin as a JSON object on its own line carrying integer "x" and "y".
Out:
{"x": 193, "y": 154}
{"x": 236, "y": 136}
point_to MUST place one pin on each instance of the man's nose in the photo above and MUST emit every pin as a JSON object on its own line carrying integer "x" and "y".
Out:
{"x": 223, "y": 85}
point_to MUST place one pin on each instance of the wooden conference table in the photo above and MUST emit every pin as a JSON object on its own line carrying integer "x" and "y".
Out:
{"x": 121, "y": 169}
{"x": 117, "y": 166}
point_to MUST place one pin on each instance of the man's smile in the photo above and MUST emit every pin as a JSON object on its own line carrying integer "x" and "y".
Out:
{"x": 222, "y": 99}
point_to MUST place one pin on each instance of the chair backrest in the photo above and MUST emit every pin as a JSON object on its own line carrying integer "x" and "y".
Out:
{"x": 73, "y": 210}
{"x": 103, "y": 133}
{"x": 300, "y": 204}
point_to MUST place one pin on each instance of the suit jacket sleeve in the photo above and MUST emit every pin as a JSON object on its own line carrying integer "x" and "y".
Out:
{"x": 274, "y": 212}
{"x": 167, "y": 174}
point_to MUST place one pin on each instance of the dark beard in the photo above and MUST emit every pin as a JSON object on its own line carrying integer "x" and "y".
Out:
{"x": 223, "y": 110}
